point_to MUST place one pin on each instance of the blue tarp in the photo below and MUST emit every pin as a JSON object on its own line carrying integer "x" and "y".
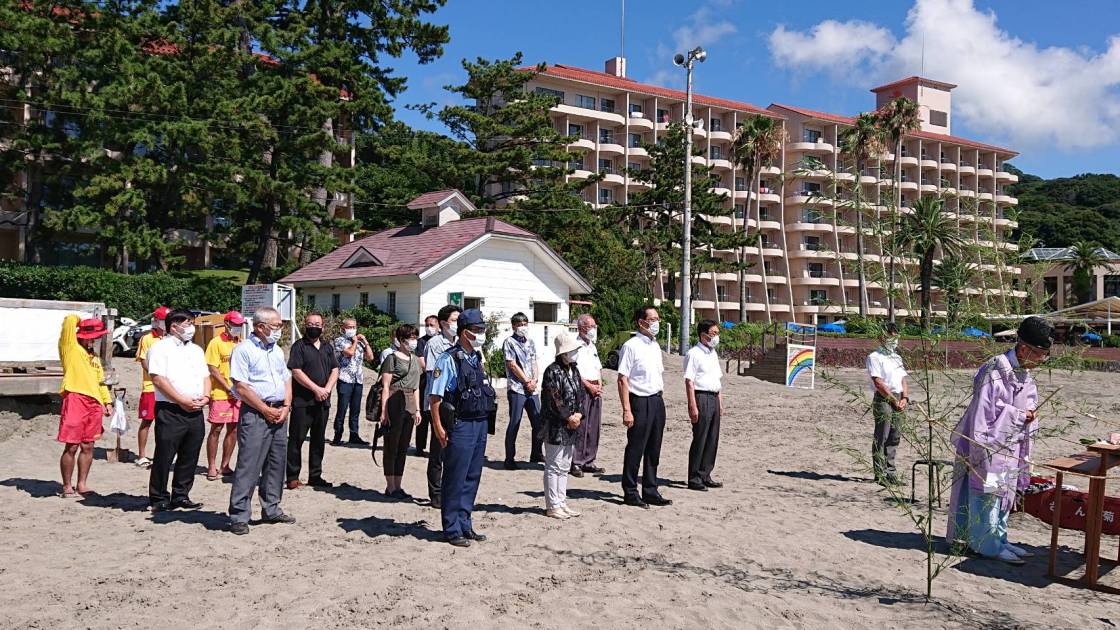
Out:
{"x": 974, "y": 332}
{"x": 1090, "y": 336}
{"x": 832, "y": 328}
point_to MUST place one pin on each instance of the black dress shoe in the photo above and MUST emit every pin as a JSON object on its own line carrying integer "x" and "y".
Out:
{"x": 319, "y": 483}
{"x": 358, "y": 441}
{"x": 161, "y": 506}
{"x": 436, "y": 503}
{"x": 239, "y": 528}
{"x": 459, "y": 541}
{"x": 473, "y": 535}
{"x": 576, "y": 471}
{"x": 186, "y": 504}
{"x": 657, "y": 499}
{"x": 692, "y": 485}
{"x": 336, "y": 442}
{"x": 510, "y": 465}
{"x": 595, "y": 470}
{"x": 636, "y": 502}
{"x": 713, "y": 484}
{"x": 536, "y": 459}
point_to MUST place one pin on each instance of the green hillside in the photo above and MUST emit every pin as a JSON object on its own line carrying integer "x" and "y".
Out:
{"x": 1059, "y": 212}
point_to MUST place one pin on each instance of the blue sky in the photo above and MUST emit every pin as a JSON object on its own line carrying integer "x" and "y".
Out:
{"x": 1042, "y": 80}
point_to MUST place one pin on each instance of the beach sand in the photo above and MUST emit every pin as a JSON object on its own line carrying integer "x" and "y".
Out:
{"x": 798, "y": 538}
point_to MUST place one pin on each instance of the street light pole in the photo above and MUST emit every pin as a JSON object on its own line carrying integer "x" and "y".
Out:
{"x": 686, "y": 245}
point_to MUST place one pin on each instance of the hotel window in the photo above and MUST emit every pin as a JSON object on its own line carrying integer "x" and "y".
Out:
{"x": 587, "y": 102}
{"x": 767, "y": 267}
{"x": 363, "y": 298}
{"x": 634, "y": 166}
{"x": 763, "y": 186}
{"x": 818, "y": 296}
{"x": 810, "y": 187}
{"x": 740, "y": 210}
{"x": 635, "y": 140}
{"x": 550, "y": 92}
{"x": 764, "y": 240}
{"x": 606, "y": 105}
{"x": 336, "y": 302}
{"x": 938, "y": 118}
{"x": 740, "y": 183}
{"x": 746, "y": 294}
{"x": 813, "y": 216}
{"x": 606, "y": 166}
{"x": 606, "y": 195}
{"x": 772, "y": 294}
{"x": 392, "y": 301}
{"x": 764, "y": 214}
{"x": 546, "y": 312}
{"x": 576, "y": 165}
{"x": 575, "y": 131}
{"x": 606, "y": 136}
{"x": 816, "y": 270}
{"x": 715, "y": 153}
{"x": 635, "y": 108}
{"x": 813, "y": 243}
{"x": 721, "y": 293}
{"x": 715, "y": 124}
{"x": 810, "y": 135}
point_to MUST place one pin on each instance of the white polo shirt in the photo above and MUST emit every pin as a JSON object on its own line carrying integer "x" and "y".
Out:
{"x": 701, "y": 366}
{"x": 587, "y": 360}
{"x": 640, "y": 363}
{"x": 887, "y": 367}
{"x": 183, "y": 364}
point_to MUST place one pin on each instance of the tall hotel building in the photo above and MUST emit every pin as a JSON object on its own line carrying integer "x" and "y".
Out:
{"x": 804, "y": 266}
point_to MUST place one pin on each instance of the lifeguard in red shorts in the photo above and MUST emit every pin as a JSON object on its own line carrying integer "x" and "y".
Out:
{"x": 85, "y": 399}
{"x": 147, "y": 411}
{"x": 224, "y": 405}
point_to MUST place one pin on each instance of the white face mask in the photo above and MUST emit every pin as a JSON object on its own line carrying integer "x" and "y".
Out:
{"x": 433, "y": 331}
{"x": 713, "y": 342}
{"x": 186, "y": 333}
{"x": 350, "y": 333}
{"x": 412, "y": 344}
{"x": 570, "y": 357}
{"x": 452, "y": 328}
{"x": 521, "y": 332}
{"x": 592, "y": 335}
{"x": 890, "y": 345}
{"x": 479, "y": 340}
{"x": 274, "y": 335}
{"x": 654, "y": 328}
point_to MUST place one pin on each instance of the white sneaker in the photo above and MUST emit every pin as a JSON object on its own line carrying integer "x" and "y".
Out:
{"x": 1009, "y": 557}
{"x": 572, "y": 513}
{"x": 1019, "y": 551}
{"x": 557, "y": 513}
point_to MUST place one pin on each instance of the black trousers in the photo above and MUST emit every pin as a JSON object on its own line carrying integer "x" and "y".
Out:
{"x": 643, "y": 445}
{"x": 422, "y": 428}
{"x": 435, "y": 456}
{"x": 179, "y": 437}
{"x": 304, "y": 419}
{"x": 705, "y": 438}
{"x": 398, "y": 436}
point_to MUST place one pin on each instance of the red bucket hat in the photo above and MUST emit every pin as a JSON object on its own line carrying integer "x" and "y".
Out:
{"x": 161, "y": 313}
{"x": 91, "y": 329}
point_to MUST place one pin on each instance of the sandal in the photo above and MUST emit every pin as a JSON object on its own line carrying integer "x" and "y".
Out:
{"x": 144, "y": 462}
{"x": 69, "y": 495}
{"x": 212, "y": 477}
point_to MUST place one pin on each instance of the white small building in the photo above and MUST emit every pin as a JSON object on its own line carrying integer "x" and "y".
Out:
{"x": 413, "y": 271}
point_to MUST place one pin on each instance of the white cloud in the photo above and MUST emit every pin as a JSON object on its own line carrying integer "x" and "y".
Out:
{"x": 1035, "y": 96}
{"x": 701, "y": 28}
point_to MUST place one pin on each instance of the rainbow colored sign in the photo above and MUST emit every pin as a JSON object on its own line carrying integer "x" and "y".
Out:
{"x": 800, "y": 361}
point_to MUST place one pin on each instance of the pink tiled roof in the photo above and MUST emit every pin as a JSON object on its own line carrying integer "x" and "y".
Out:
{"x": 429, "y": 199}
{"x": 404, "y": 251}
{"x": 622, "y": 83}
{"x": 928, "y": 135}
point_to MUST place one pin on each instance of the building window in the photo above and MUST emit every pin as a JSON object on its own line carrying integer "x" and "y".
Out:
{"x": 551, "y": 92}
{"x": 938, "y": 119}
{"x": 810, "y": 187}
{"x": 546, "y": 312}
{"x": 575, "y": 131}
{"x": 606, "y": 136}
{"x": 740, "y": 211}
{"x": 586, "y": 102}
{"x": 635, "y": 108}
{"x": 764, "y": 214}
{"x": 740, "y": 183}
{"x": 1111, "y": 286}
{"x": 606, "y": 105}
{"x": 634, "y": 166}
{"x": 818, "y": 296}
{"x": 363, "y": 298}
{"x": 772, "y": 294}
{"x": 336, "y": 302}
{"x": 810, "y": 135}
{"x": 311, "y": 302}
{"x": 606, "y": 195}
{"x": 507, "y": 187}
{"x": 764, "y": 240}
{"x": 576, "y": 165}
{"x": 721, "y": 293}
{"x": 813, "y": 243}
{"x": 812, "y": 216}
{"x": 635, "y": 140}
{"x": 715, "y": 124}
{"x": 472, "y": 302}
{"x": 816, "y": 270}
{"x": 715, "y": 153}
{"x": 392, "y": 303}
{"x": 767, "y": 266}
{"x": 606, "y": 166}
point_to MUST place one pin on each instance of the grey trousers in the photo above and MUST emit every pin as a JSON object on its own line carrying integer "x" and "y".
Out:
{"x": 262, "y": 459}
{"x": 887, "y": 437}
{"x": 705, "y": 438}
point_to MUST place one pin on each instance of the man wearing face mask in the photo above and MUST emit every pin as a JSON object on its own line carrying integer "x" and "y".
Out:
{"x": 703, "y": 381}
{"x": 147, "y": 407}
{"x": 448, "y": 318}
{"x": 431, "y": 330}
{"x": 314, "y": 373}
{"x": 590, "y": 372}
{"x": 85, "y": 399}
{"x": 182, "y": 382}
{"x": 889, "y": 391}
{"x": 522, "y": 378}
{"x": 461, "y": 399}
{"x": 640, "y": 383}
{"x": 351, "y": 350}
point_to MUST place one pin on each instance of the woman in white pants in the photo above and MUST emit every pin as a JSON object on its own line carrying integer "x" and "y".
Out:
{"x": 561, "y": 396}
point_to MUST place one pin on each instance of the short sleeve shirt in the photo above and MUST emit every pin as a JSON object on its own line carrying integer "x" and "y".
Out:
{"x": 350, "y": 368}
{"x": 317, "y": 364}
{"x": 444, "y": 376}
{"x": 260, "y": 366}
{"x": 432, "y": 351}
{"x": 587, "y": 359}
{"x": 701, "y": 366}
{"x": 183, "y": 364}
{"x": 888, "y": 367}
{"x": 640, "y": 363}
{"x": 524, "y": 354}
{"x": 218, "y": 353}
{"x": 146, "y": 343}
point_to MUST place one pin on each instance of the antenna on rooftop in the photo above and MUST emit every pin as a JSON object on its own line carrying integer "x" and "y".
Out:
{"x": 622, "y": 32}
{"x": 923, "y": 72}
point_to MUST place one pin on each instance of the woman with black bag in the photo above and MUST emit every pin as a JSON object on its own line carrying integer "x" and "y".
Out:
{"x": 400, "y": 405}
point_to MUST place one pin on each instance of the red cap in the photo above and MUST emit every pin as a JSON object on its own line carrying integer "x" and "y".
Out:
{"x": 91, "y": 329}
{"x": 235, "y": 318}
{"x": 161, "y": 313}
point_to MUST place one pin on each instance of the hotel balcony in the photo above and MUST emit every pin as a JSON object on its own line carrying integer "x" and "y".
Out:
{"x": 585, "y": 144}
{"x": 811, "y": 279}
{"x": 927, "y": 164}
{"x": 801, "y": 197}
{"x": 946, "y": 165}
{"x": 773, "y": 252}
{"x": 810, "y": 226}
{"x": 612, "y": 178}
{"x": 775, "y": 279}
{"x": 638, "y": 152}
{"x": 1006, "y": 178}
{"x": 720, "y": 163}
{"x": 804, "y": 250}
{"x": 820, "y": 146}
{"x": 984, "y": 171}
{"x": 767, "y": 224}
{"x": 966, "y": 169}
{"x": 770, "y": 170}
{"x": 908, "y": 160}
{"x": 720, "y": 190}
{"x": 1006, "y": 200}
{"x": 638, "y": 120}
{"x": 586, "y": 114}
{"x": 609, "y": 147}
{"x": 908, "y": 186}
{"x": 719, "y": 134}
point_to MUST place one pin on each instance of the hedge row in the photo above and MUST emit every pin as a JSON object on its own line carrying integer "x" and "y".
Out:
{"x": 133, "y": 296}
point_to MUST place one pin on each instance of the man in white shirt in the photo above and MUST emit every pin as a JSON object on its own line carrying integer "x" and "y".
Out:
{"x": 182, "y": 383}
{"x": 703, "y": 381}
{"x": 590, "y": 372}
{"x": 889, "y": 399}
{"x": 643, "y": 409}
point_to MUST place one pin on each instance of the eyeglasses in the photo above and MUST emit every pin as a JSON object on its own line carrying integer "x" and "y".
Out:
{"x": 271, "y": 326}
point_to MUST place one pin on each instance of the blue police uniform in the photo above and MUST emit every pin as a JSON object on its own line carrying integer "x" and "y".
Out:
{"x": 460, "y": 381}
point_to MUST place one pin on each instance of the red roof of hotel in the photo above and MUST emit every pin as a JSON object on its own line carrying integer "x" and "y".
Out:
{"x": 914, "y": 79}
{"x": 403, "y": 251}
{"x": 928, "y": 135}
{"x": 622, "y": 83}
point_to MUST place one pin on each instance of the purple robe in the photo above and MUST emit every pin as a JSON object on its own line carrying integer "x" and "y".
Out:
{"x": 993, "y": 439}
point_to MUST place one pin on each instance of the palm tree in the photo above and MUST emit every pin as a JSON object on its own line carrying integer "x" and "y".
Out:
{"x": 952, "y": 276}
{"x": 924, "y": 232}
{"x": 1085, "y": 257}
{"x": 896, "y": 118}
{"x": 757, "y": 143}
{"x": 861, "y": 141}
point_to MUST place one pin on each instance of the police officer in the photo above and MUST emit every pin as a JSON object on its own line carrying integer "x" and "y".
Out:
{"x": 461, "y": 399}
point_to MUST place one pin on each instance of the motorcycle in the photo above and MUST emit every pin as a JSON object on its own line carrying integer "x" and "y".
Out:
{"x": 124, "y": 337}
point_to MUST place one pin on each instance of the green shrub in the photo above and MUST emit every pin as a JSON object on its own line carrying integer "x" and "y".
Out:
{"x": 1111, "y": 341}
{"x": 133, "y": 296}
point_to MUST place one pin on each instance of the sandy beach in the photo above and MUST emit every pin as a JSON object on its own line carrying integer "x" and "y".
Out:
{"x": 799, "y": 537}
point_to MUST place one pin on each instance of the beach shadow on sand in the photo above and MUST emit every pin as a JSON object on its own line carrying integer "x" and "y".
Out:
{"x": 375, "y": 526}
{"x": 36, "y": 488}
{"x": 41, "y": 488}
{"x": 583, "y": 494}
{"x": 213, "y": 521}
{"x": 808, "y": 475}
{"x": 668, "y": 483}
{"x": 347, "y": 492}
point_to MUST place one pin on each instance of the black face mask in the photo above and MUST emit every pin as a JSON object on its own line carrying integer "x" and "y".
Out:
{"x": 312, "y": 332}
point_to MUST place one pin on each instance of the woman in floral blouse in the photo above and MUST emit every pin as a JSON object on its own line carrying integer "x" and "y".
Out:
{"x": 561, "y": 394}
